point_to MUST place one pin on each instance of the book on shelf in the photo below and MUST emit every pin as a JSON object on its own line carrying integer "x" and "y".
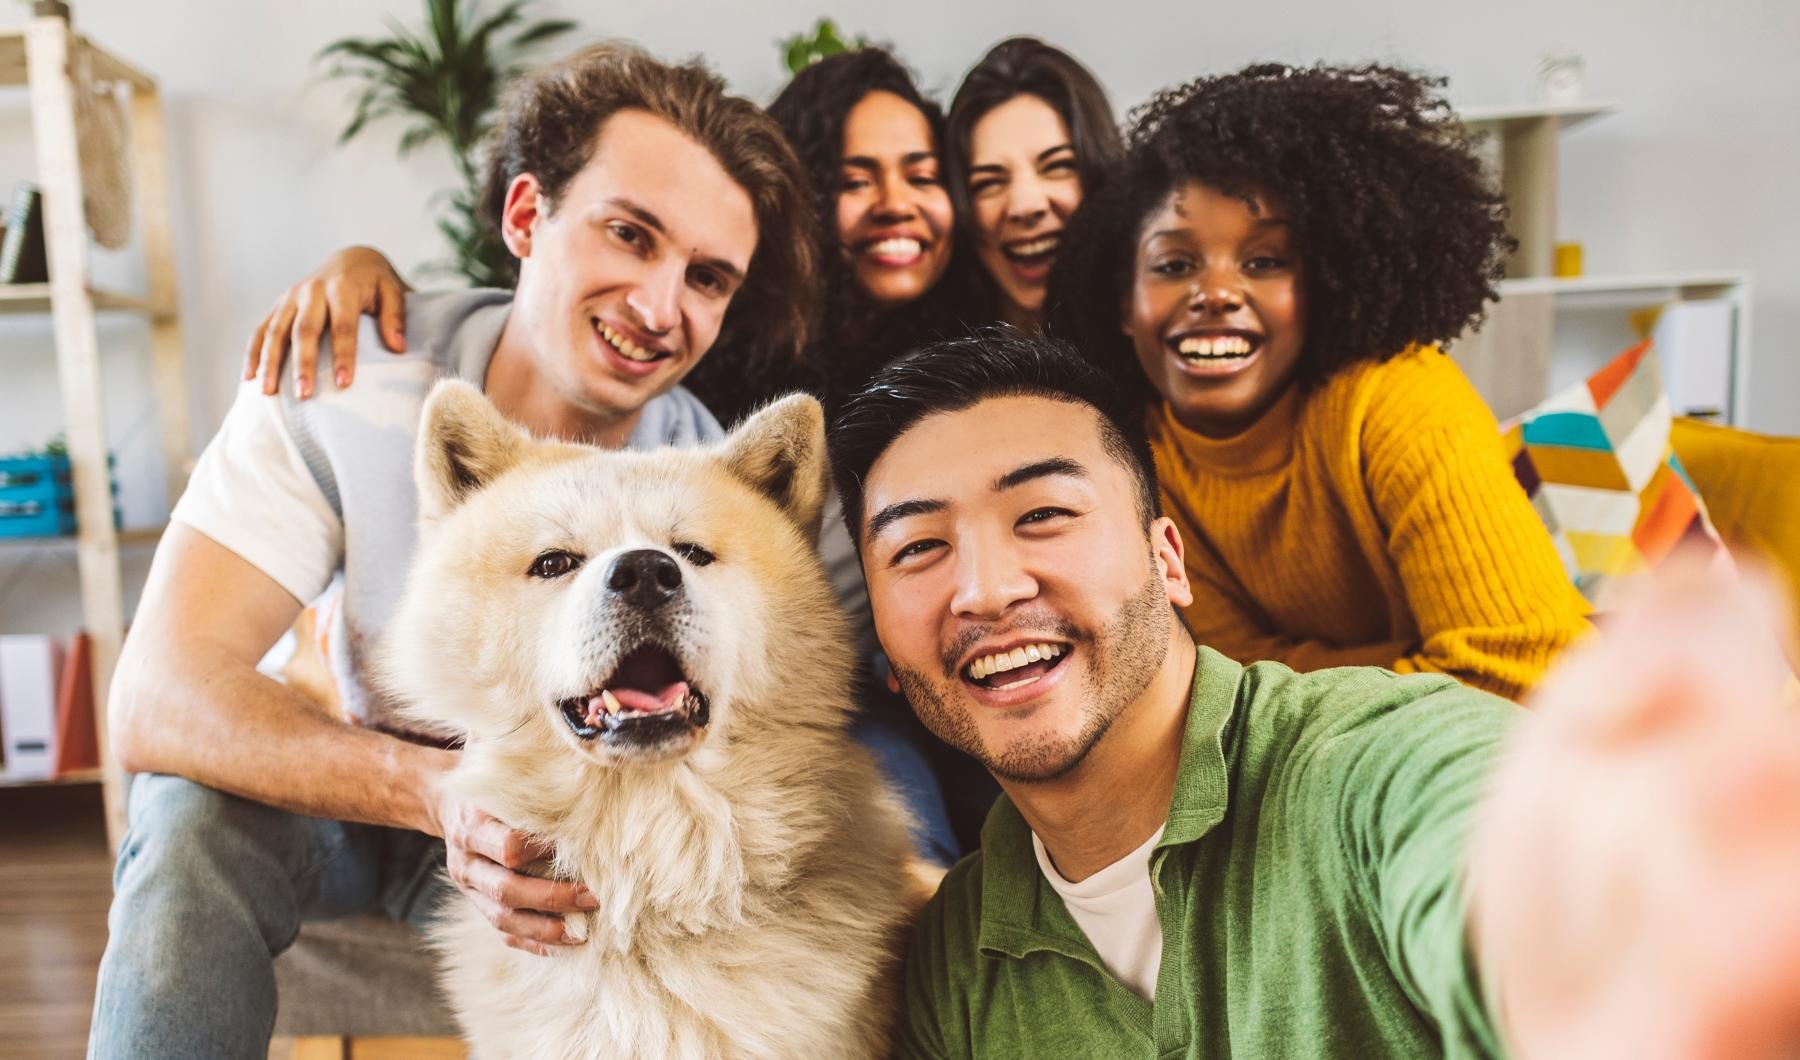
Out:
{"x": 47, "y": 725}
{"x": 29, "y": 666}
{"x": 23, "y": 258}
{"x": 1695, "y": 339}
{"x": 77, "y": 740}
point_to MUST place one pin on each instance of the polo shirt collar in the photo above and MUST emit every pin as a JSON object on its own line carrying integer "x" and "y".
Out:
{"x": 1020, "y": 913}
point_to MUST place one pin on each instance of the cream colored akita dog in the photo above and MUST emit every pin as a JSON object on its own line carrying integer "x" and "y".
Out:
{"x": 646, "y": 663}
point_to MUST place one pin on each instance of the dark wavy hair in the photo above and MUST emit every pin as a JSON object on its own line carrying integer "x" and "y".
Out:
{"x": 1401, "y": 233}
{"x": 855, "y": 336}
{"x": 1026, "y": 66}
{"x": 548, "y": 128}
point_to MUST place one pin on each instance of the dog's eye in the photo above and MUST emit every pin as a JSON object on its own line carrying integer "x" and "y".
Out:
{"x": 554, "y": 564}
{"x": 693, "y": 553}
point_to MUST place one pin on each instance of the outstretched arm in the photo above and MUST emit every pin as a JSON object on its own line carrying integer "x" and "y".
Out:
{"x": 1636, "y": 877}
{"x": 1493, "y": 605}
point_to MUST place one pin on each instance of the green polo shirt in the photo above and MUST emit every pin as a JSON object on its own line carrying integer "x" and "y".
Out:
{"x": 1307, "y": 882}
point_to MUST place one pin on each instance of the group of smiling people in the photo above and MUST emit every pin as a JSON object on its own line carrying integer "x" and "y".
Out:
{"x": 1271, "y": 258}
{"x": 1078, "y": 382}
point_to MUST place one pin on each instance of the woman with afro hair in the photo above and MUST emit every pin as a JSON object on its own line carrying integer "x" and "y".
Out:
{"x": 1277, "y": 262}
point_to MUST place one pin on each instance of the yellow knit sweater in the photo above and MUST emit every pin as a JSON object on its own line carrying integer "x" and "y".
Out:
{"x": 1372, "y": 521}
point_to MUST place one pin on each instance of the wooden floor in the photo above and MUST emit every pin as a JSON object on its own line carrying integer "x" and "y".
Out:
{"x": 55, "y": 885}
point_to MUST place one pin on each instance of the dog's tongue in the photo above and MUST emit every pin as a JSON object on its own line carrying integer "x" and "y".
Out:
{"x": 638, "y": 701}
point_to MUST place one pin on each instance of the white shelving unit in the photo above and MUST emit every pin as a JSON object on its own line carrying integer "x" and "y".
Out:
{"x": 1517, "y": 360}
{"x": 42, "y": 57}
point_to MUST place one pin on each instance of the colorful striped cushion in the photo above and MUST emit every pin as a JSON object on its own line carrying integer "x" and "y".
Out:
{"x": 1597, "y": 464}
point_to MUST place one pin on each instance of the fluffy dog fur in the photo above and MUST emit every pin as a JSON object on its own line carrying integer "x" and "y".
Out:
{"x": 750, "y": 871}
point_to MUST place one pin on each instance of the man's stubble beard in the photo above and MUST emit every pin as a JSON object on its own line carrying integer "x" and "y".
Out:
{"x": 1127, "y": 654}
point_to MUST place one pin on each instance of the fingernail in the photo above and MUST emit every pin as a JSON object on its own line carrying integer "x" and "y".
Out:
{"x": 305, "y": 389}
{"x": 343, "y": 378}
{"x": 587, "y": 901}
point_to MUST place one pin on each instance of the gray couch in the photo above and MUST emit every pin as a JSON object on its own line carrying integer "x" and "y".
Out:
{"x": 360, "y": 976}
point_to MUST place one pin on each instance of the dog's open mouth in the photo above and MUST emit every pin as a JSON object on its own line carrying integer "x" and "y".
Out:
{"x": 645, "y": 702}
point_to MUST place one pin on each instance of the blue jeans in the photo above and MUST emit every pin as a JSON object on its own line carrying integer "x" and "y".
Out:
{"x": 209, "y": 888}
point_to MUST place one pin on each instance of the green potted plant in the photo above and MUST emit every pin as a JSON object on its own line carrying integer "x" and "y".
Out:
{"x": 801, "y": 50}
{"x": 446, "y": 82}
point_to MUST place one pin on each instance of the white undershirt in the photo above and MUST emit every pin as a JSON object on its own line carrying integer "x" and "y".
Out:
{"x": 1116, "y": 909}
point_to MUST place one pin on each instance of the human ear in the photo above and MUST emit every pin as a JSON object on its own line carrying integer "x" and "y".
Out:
{"x": 1171, "y": 567}
{"x": 519, "y": 214}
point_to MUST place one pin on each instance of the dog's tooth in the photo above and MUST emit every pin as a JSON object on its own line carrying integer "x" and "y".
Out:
{"x": 610, "y": 701}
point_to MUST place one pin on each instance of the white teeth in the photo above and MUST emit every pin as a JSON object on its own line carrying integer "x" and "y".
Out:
{"x": 1033, "y": 248}
{"x": 610, "y": 702}
{"x": 898, "y": 247}
{"x": 1221, "y": 346}
{"x": 631, "y": 351}
{"x": 988, "y": 665}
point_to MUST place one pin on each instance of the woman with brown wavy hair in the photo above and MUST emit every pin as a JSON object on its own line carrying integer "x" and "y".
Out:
{"x": 1030, "y": 134}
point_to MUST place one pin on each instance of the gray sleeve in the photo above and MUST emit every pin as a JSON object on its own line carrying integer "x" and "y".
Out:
{"x": 844, "y": 568}
{"x": 677, "y": 419}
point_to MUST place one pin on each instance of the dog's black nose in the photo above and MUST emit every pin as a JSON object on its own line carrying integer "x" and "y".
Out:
{"x": 644, "y": 577}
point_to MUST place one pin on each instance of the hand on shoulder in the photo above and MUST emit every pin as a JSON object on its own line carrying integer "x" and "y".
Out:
{"x": 353, "y": 282}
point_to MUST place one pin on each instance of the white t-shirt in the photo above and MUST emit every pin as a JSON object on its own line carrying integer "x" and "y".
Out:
{"x": 1116, "y": 909}
{"x": 320, "y": 493}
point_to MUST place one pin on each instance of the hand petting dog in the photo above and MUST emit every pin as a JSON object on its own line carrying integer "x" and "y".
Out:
{"x": 484, "y": 857}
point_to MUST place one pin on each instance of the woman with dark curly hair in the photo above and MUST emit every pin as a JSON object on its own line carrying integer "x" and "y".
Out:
{"x": 1275, "y": 264}
{"x": 1030, "y": 132}
{"x": 870, "y": 140}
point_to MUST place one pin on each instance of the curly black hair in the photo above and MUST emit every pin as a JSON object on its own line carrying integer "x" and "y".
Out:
{"x": 1401, "y": 232}
{"x": 855, "y": 337}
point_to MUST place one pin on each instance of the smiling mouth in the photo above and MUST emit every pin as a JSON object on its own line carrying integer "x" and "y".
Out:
{"x": 895, "y": 250}
{"x": 626, "y": 348}
{"x": 1217, "y": 347}
{"x": 1039, "y": 251}
{"x": 1024, "y": 665}
{"x": 646, "y": 703}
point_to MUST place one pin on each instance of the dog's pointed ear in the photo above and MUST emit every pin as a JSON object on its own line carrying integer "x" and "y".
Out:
{"x": 780, "y": 452}
{"x": 464, "y": 443}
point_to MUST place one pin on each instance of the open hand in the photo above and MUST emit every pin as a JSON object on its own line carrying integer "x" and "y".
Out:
{"x": 1635, "y": 879}
{"x": 484, "y": 856}
{"x": 352, "y": 282}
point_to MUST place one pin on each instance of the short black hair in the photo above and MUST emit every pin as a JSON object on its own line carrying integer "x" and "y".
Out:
{"x": 1401, "y": 233}
{"x": 955, "y": 374}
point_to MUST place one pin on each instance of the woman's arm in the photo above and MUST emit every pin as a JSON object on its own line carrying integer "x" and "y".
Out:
{"x": 1493, "y": 604}
{"x": 352, "y": 282}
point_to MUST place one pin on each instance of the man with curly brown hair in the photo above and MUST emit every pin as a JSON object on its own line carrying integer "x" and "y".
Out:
{"x": 649, "y": 211}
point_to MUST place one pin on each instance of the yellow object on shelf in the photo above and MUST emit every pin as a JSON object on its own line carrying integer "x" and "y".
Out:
{"x": 1568, "y": 260}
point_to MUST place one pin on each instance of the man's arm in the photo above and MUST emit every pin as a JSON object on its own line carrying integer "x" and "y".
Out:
{"x": 1636, "y": 874}
{"x": 187, "y": 699}
{"x": 1391, "y": 773}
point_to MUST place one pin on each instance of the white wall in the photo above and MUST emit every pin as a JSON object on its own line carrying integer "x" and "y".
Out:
{"x": 1697, "y": 171}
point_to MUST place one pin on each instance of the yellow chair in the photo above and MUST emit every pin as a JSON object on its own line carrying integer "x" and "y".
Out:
{"x": 1751, "y": 486}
